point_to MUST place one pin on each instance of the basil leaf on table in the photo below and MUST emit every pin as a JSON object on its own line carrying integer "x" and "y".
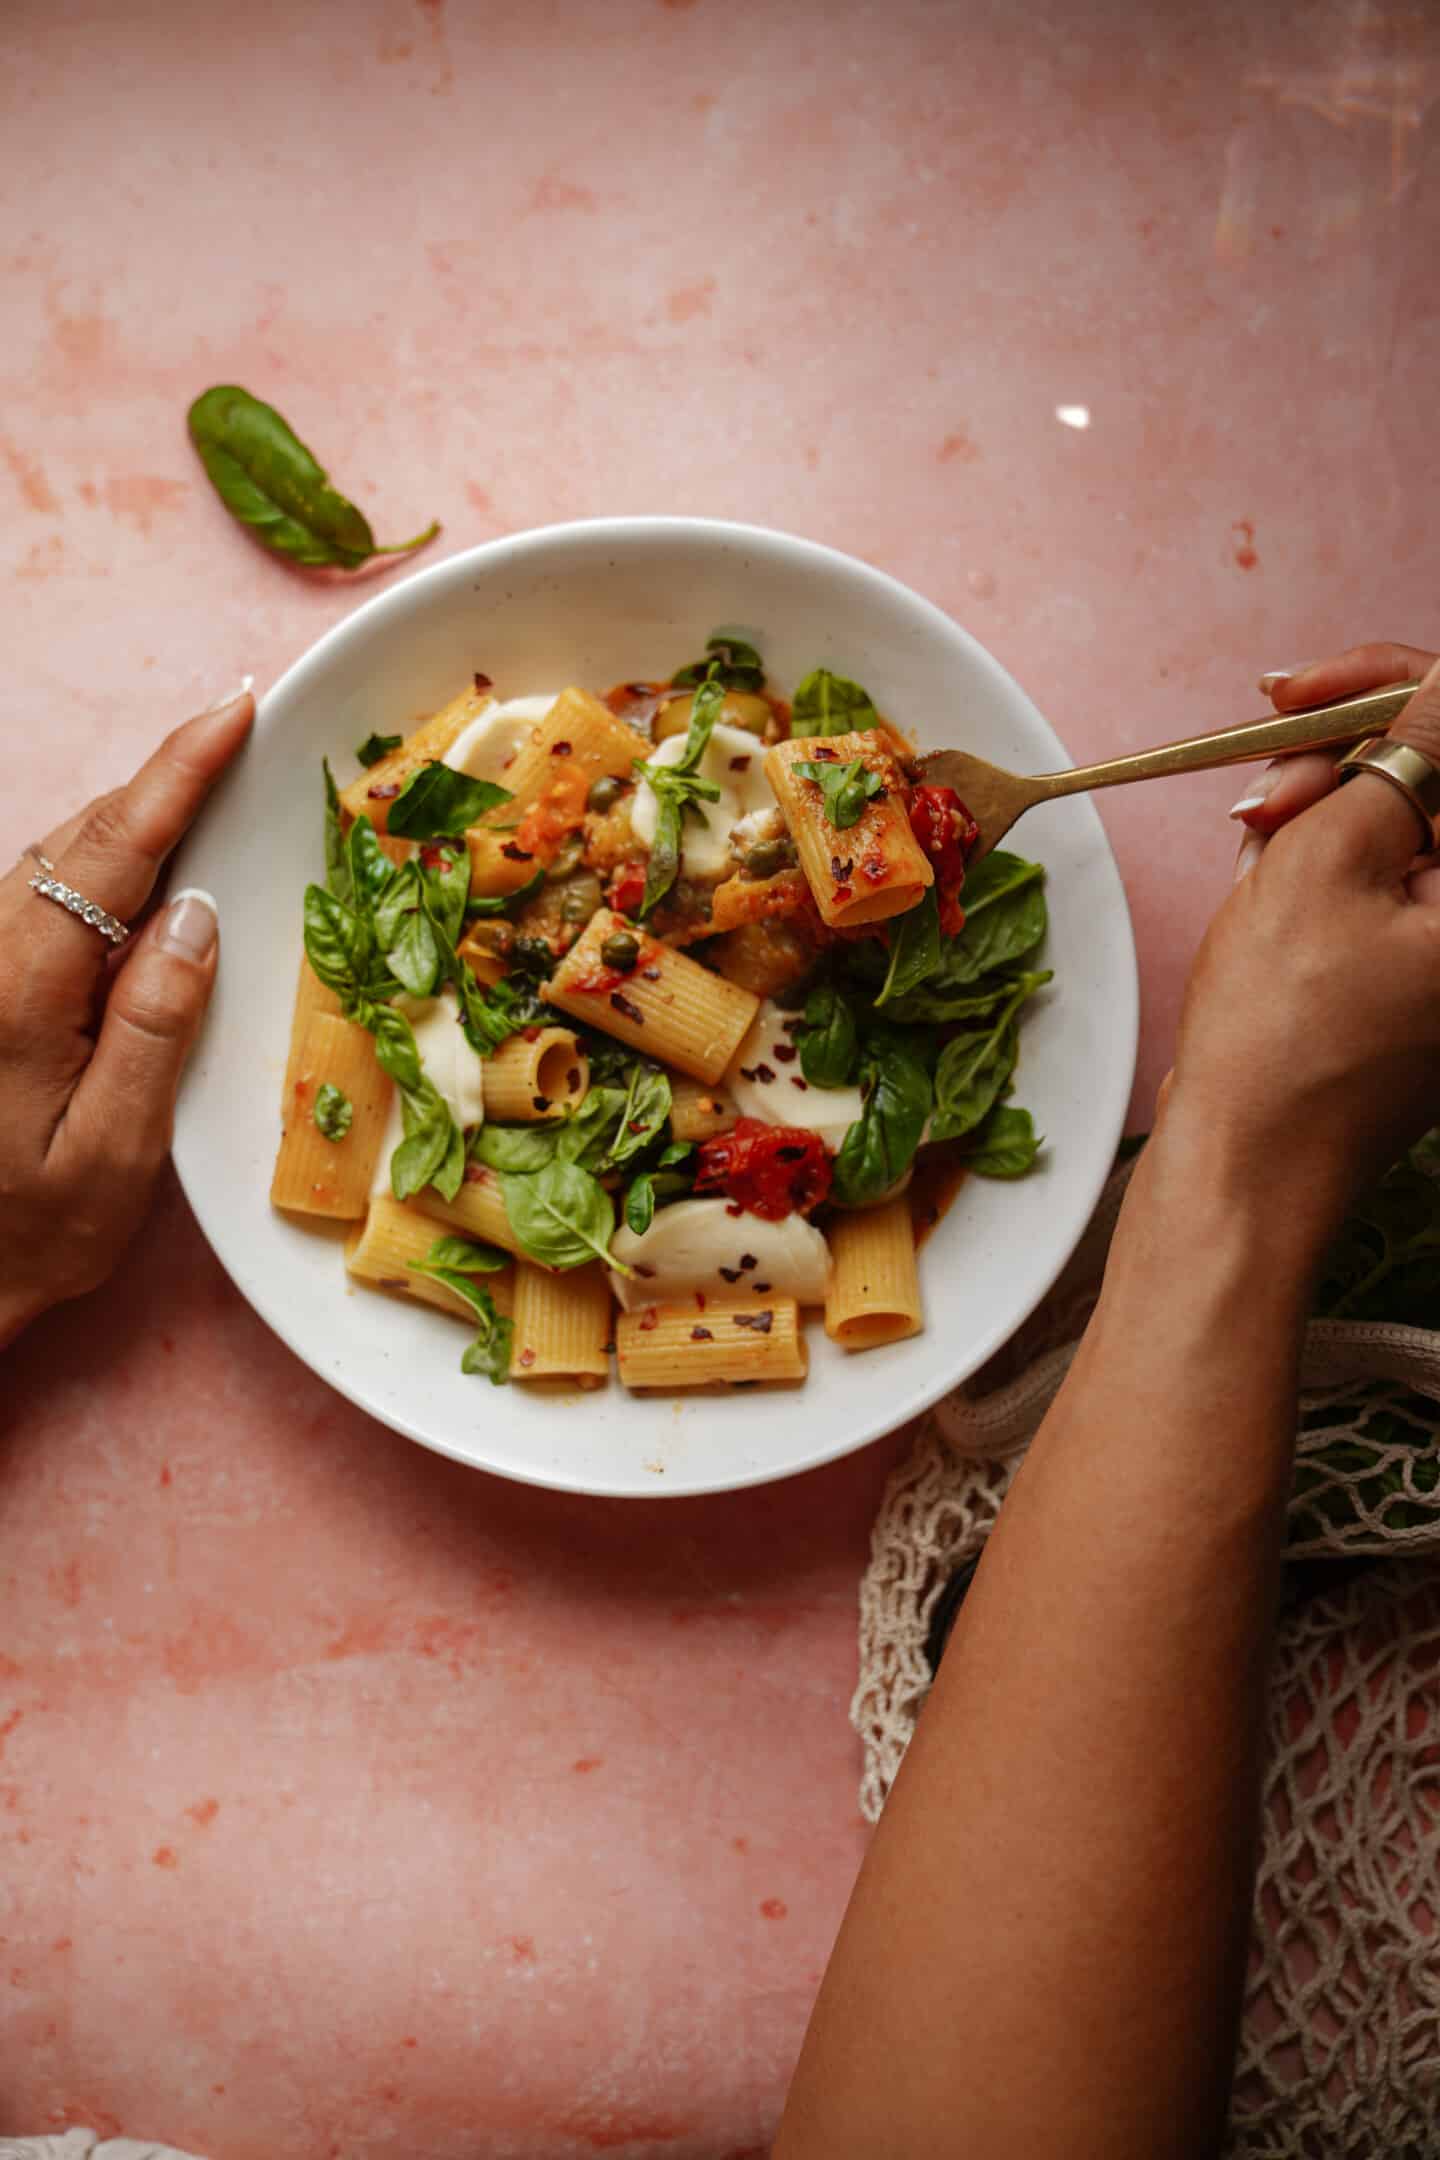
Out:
{"x": 485, "y": 904}
{"x": 489, "y": 1353}
{"x": 829, "y": 1041}
{"x": 914, "y": 948}
{"x": 561, "y": 1215}
{"x": 333, "y": 1111}
{"x": 667, "y": 1181}
{"x": 880, "y": 1146}
{"x": 973, "y": 1069}
{"x": 376, "y": 747}
{"x": 464, "y": 1254}
{"x": 268, "y": 480}
{"x": 1004, "y": 1145}
{"x": 337, "y": 862}
{"x": 826, "y": 704}
{"x": 930, "y": 1007}
{"x": 844, "y": 789}
{"x": 678, "y": 791}
{"x": 728, "y": 660}
{"x": 437, "y": 803}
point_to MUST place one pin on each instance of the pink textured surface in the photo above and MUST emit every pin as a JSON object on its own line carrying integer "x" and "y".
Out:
{"x": 353, "y": 1804}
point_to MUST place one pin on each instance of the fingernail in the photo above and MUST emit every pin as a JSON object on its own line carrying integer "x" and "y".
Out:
{"x": 1259, "y": 789}
{"x": 192, "y": 922}
{"x": 232, "y": 697}
{"x": 1252, "y": 847}
{"x": 1272, "y": 676}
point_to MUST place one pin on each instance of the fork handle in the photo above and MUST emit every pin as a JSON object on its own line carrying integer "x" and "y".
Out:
{"x": 1316, "y": 729}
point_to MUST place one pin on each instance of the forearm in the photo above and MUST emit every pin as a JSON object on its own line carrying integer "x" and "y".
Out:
{"x": 1045, "y": 1948}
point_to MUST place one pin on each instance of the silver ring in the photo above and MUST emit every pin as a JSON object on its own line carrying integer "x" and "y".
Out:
{"x": 51, "y": 887}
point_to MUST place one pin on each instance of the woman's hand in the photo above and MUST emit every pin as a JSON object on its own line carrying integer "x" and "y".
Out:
{"x": 92, "y": 1045}
{"x": 1309, "y": 1052}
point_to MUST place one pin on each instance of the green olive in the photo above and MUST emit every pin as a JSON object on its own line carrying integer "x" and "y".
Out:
{"x": 621, "y": 951}
{"x": 768, "y": 857}
{"x": 581, "y": 897}
{"x": 604, "y": 793}
{"x": 567, "y": 857}
{"x": 739, "y": 710}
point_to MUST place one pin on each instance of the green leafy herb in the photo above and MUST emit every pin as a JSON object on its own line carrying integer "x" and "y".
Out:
{"x": 376, "y": 747}
{"x": 678, "y": 792}
{"x": 973, "y": 1070}
{"x": 826, "y": 704}
{"x": 437, "y": 803}
{"x": 446, "y": 881}
{"x": 995, "y": 876}
{"x": 561, "y": 1215}
{"x": 454, "y": 1262}
{"x": 484, "y": 904}
{"x": 829, "y": 1042}
{"x": 844, "y": 789}
{"x": 337, "y": 862}
{"x": 914, "y": 948}
{"x": 880, "y": 1146}
{"x": 729, "y": 661}
{"x": 268, "y": 480}
{"x": 1004, "y": 1145}
{"x": 937, "y": 1008}
{"x": 333, "y": 1111}
{"x": 1005, "y": 920}
{"x": 667, "y": 1181}
{"x": 642, "y": 1116}
{"x": 415, "y": 956}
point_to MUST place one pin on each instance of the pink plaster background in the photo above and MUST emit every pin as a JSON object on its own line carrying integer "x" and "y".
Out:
{"x": 355, "y": 1805}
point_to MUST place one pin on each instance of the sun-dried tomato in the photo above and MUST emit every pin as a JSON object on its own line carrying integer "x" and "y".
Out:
{"x": 767, "y": 1170}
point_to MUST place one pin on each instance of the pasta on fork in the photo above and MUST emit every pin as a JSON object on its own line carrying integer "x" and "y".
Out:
{"x": 640, "y": 1031}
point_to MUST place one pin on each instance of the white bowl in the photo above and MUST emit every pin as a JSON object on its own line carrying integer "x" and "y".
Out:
{"x": 595, "y": 604}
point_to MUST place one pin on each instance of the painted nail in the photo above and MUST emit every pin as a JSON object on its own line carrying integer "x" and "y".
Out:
{"x": 1252, "y": 847}
{"x": 232, "y": 697}
{"x": 1272, "y": 676}
{"x": 1258, "y": 790}
{"x": 192, "y": 921}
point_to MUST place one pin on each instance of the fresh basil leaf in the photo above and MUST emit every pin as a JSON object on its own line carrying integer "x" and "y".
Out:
{"x": 651, "y": 1189}
{"x": 826, "y": 704}
{"x": 829, "y": 1042}
{"x": 332, "y": 941}
{"x": 844, "y": 789}
{"x": 880, "y": 1146}
{"x": 485, "y": 904}
{"x": 423, "y": 1156}
{"x": 337, "y": 862}
{"x": 463, "y": 1254}
{"x": 561, "y": 1215}
{"x": 376, "y": 747}
{"x": 914, "y": 948}
{"x": 333, "y": 1111}
{"x": 399, "y": 899}
{"x": 489, "y": 1353}
{"x": 1004, "y": 1145}
{"x": 938, "y": 1008}
{"x": 679, "y": 792}
{"x": 675, "y": 1153}
{"x": 996, "y": 875}
{"x": 446, "y": 883}
{"x": 395, "y": 1050}
{"x": 415, "y": 956}
{"x": 1007, "y": 927}
{"x": 642, "y": 1116}
{"x": 519, "y": 1149}
{"x": 268, "y": 480}
{"x": 730, "y": 661}
{"x": 972, "y": 1070}
{"x": 437, "y": 803}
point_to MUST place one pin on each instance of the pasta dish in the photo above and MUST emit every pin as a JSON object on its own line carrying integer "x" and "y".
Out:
{"x": 635, "y": 1028}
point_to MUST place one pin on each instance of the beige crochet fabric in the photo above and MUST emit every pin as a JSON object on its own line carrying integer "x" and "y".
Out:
{"x": 1340, "y": 2056}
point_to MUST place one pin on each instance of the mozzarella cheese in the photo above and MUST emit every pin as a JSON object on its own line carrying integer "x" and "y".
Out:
{"x": 488, "y": 745}
{"x": 445, "y": 1055}
{"x": 781, "y": 1099}
{"x": 735, "y": 761}
{"x": 689, "y": 1243}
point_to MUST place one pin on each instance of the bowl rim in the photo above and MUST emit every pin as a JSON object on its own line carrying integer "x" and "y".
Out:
{"x": 398, "y": 597}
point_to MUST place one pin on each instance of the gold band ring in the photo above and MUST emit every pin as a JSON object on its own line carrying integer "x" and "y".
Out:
{"x": 1407, "y": 770}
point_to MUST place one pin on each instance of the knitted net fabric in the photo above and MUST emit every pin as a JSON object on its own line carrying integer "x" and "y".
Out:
{"x": 1340, "y": 2051}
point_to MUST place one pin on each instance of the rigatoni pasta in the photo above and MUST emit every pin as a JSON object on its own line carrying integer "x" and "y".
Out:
{"x": 562, "y": 1326}
{"x": 666, "y": 1005}
{"x": 383, "y": 1250}
{"x": 710, "y": 1343}
{"x": 874, "y": 1293}
{"x": 540, "y": 1073}
{"x": 870, "y": 869}
{"x": 372, "y": 794}
{"x": 316, "y": 1174}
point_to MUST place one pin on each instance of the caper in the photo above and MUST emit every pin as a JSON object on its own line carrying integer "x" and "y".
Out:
{"x": 581, "y": 897}
{"x": 604, "y": 793}
{"x": 567, "y": 857}
{"x": 768, "y": 857}
{"x": 621, "y": 951}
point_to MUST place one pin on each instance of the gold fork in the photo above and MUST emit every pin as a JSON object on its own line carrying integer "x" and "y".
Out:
{"x": 996, "y": 798}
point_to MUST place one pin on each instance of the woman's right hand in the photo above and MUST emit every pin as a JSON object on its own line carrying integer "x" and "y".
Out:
{"x": 1309, "y": 1052}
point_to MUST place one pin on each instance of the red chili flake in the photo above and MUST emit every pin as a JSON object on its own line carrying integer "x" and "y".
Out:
{"x": 531, "y": 1034}
{"x": 541, "y": 1102}
{"x": 701, "y": 1334}
{"x": 839, "y": 870}
{"x": 733, "y": 1207}
{"x": 627, "y": 888}
{"x": 747, "y": 1072}
{"x": 739, "y": 764}
{"x": 747, "y": 1261}
{"x": 641, "y": 1269}
{"x": 759, "y": 1322}
{"x": 526, "y": 1357}
{"x": 875, "y": 868}
{"x": 761, "y": 1287}
{"x": 731, "y": 1274}
{"x": 483, "y": 682}
{"x": 636, "y": 1124}
{"x": 572, "y": 1080}
{"x": 803, "y": 1085}
{"x": 765, "y": 1074}
{"x": 475, "y": 1173}
{"x": 559, "y": 749}
{"x": 435, "y": 858}
{"x": 650, "y": 1318}
{"x": 516, "y": 853}
{"x": 622, "y": 1004}
{"x": 842, "y": 893}
{"x": 384, "y": 791}
{"x": 786, "y": 1052}
{"x": 651, "y": 974}
{"x": 792, "y": 1027}
{"x": 824, "y": 753}
{"x": 392, "y": 1282}
{"x": 700, "y": 1300}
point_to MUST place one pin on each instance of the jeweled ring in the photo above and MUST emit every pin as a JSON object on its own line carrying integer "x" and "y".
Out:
{"x": 1406, "y": 769}
{"x": 50, "y": 887}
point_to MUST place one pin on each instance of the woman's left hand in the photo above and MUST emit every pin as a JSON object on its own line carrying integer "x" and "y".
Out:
{"x": 91, "y": 1047}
